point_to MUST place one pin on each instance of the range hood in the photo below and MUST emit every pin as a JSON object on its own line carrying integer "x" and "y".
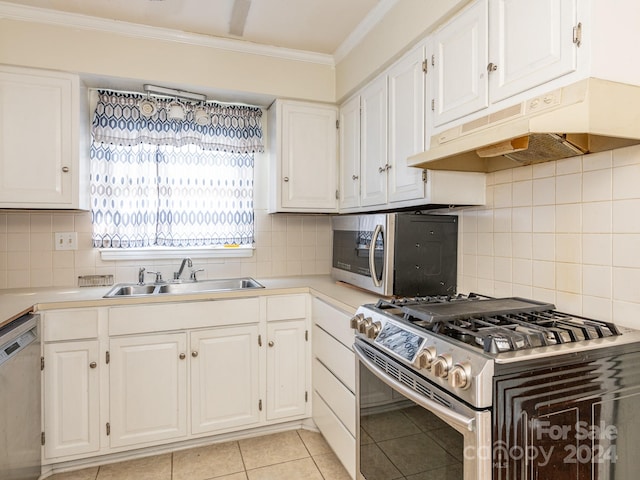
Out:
{"x": 589, "y": 116}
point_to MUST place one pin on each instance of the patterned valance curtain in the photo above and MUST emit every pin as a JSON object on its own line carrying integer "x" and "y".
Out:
{"x": 230, "y": 128}
{"x": 173, "y": 183}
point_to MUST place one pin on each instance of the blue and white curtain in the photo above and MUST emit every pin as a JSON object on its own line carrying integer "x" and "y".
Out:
{"x": 175, "y": 183}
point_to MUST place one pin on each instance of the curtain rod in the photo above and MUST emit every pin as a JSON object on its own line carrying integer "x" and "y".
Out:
{"x": 172, "y": 92}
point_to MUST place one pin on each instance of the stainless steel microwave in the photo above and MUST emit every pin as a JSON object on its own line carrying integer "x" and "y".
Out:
{"x": 401, "y": 254}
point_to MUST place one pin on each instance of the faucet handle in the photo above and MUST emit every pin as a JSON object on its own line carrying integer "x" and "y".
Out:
{"x": 141, "y": 276}
{"x": 158, "y": 276}
{"x": 194, "y": 272}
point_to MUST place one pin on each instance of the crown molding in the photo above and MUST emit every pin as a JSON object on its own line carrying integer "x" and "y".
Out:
{"x": 40, "y": 15}
{"x": 364, "y": 27}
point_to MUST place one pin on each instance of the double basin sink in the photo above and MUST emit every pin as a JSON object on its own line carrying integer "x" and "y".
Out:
{"x": 201, "y": 286}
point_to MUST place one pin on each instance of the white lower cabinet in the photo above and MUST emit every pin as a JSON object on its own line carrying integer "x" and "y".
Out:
{"x": 225, "y": 378}
{"x": 148, "y": 388}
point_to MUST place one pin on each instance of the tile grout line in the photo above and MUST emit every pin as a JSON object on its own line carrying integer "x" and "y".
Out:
{"x": 310, "y": 455}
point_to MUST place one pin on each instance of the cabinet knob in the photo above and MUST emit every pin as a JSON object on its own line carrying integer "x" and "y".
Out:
{"x": 286, "y": 179}
{"x": 492, "y": 67}
{"x": 182, "y": 356}
{"x": 194, "y": 354}
{"x": 381, "y": 169}
{"x": 93, "y": 365}
{"x": 271, "y": 343}
{"x": 65, "y": 169}
{"x": 354, "y": 177}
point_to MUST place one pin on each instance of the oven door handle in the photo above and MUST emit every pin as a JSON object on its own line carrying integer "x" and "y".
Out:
{"x": 372, "y": 256}
{"x": 453, "y": 418}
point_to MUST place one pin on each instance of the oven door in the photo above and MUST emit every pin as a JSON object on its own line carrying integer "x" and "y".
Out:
{"x": 408, "y": 428}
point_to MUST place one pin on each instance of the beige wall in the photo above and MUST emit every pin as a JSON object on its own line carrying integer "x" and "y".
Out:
{"x": 166, "y": 62}
{"x": 407, "y": 22}
{"x": 566, "y": 232}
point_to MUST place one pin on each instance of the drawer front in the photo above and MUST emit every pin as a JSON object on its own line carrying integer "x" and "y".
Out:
{"x": 286, "y": 307}
{"x": 338, "y": 397}
{"x": 337, "y": 436}
{"x": 339, "y": 359}
{"x": 73, "y": 324}
{"x": 179, "y": 316}
{"x": 333, "y": 321}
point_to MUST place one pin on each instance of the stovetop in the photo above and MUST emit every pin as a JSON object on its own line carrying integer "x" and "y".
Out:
{"x": 495, "y": 325}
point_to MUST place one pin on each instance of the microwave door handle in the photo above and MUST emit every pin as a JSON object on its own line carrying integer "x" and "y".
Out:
{"x": 372, "y": 256}
{"x": 454, "y": 418}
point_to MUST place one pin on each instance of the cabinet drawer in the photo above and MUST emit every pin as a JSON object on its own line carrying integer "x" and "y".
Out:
{"x": 179, "y": 316}
{"x": 70, "y": 324}
{"x": 338, "y": 397}
{"x": 333, "y": 321}
{"x": 339, "y": 359}
{"x": 337, "y": 436}
{"x": 286, "y": 307}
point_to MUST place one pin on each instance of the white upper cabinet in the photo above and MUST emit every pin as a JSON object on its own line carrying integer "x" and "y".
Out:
{"x": 350, "y": 153}
{"x": 303, "y": 148}
{"x": 40, "y": 140}
{"x": 530, "y": 43}
{"x": 496, "y": 49}
{"x": 459, "y": 61}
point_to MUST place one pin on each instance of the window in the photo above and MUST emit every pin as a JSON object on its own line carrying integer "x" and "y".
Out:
{"x": 172, "y": 182}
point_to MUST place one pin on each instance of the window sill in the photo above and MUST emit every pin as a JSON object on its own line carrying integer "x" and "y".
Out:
{"x": 159, "y": 253}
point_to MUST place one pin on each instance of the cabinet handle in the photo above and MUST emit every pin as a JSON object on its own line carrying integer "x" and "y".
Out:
{"x": 194, "y": 354}
{"x": 182, "y": 356}
{"x": 271, "y": 343}
{"x": 492, "y": 67}
{"x": 93, "y": 365}
{"x": 65, "y": 169}
{"x": 381, "y": 169}
{"x": 286, "y": 179}
{"x": 354, "y": 177}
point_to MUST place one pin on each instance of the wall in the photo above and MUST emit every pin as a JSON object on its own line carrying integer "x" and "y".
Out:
{"x": 566, "y": 232}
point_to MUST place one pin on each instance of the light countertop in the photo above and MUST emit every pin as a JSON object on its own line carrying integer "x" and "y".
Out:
{"x": 14, "y": 302}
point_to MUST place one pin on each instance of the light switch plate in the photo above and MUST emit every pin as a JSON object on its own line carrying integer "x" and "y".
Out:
{"x": 66, "y": 241}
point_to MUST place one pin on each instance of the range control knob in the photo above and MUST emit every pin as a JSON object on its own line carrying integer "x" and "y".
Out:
{"x": 373, "y": 330}
{"x": 364, "y": 324}
{"x": 460, "y": 376}
{"x": 425, "y": 358}
{"x": 442, "y": 365}
{"x": 355, "y": 320}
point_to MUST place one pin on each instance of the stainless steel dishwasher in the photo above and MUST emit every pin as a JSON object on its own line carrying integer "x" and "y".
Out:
{"x": 20, "y": 399}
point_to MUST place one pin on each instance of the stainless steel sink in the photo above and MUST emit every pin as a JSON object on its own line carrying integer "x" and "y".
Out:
{"x": 184, "y": 288}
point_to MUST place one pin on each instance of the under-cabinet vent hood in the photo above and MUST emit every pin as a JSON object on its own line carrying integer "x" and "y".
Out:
{"x": 589, "y": 116}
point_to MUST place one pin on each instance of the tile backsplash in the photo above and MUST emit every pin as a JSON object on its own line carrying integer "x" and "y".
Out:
{"x": 567, "y": 232}
{"x": 285, "y": 245}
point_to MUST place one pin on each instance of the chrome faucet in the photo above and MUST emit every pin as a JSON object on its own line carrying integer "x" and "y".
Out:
{"x": 141, "y": 276}
{"x": 188, "y": 262}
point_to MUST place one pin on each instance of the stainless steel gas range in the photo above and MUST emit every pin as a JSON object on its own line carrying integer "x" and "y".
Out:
{"x": 479, "y": 388}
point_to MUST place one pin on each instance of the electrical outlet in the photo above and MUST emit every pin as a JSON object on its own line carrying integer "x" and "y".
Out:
{"x": 66, "y": 241}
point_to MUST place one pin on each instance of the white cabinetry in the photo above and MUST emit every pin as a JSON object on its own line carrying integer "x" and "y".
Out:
{"x": 373, "y": 143}
{"x": 71, "y": 383}
{"x": 148, "y": 388}
{"x": 225, "y": 378}
{"x": 303, "y": 149}
{"x": 40, "y": 140}
{"x": 334, "y": 403}
{"x": 287, "y": 357}
{"x": 350, "y": 154}
{"x": 496, "y": 49}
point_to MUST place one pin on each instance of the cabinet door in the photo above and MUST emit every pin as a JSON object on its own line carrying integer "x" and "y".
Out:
{"x": 373, "y": 143}
{"x": 148, "y": 388}
{"x": 36, "y": 139}
{"x": 225, "y": 382}
{"x": 531, "y": 43}
{"x": 350, "y": 153}
{"x": 406, "y": 126}
{"x": 72, "y": 398}
{"x": 309, "y": 163}
{"x": 460, "y": 62}
{"x": 287, "y": 364}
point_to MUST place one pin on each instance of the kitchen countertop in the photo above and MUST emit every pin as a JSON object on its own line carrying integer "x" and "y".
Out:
{"x": 15, "y": 302}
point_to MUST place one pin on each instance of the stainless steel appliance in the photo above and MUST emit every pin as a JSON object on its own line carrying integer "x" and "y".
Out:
{"x": 20, "y": 399}
{"x": 478, "y": 388}
{"x": 405, "y": 254}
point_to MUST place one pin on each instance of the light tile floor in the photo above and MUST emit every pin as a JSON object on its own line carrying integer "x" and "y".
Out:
{"x": 292, "y": 455}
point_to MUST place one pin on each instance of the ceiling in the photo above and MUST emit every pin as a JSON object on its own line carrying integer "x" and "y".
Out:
{"x": 319, "y": 26}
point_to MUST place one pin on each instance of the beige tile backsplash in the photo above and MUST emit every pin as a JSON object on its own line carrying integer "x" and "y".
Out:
{"x": 567, "y": 232}
{"x": 286, "y": 245}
